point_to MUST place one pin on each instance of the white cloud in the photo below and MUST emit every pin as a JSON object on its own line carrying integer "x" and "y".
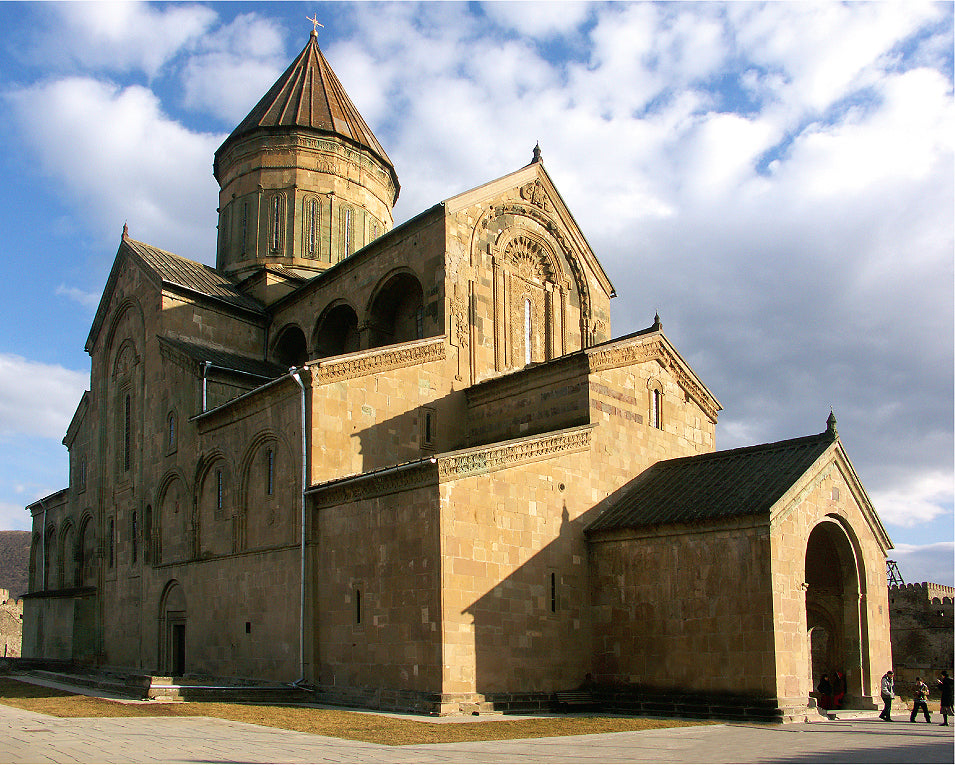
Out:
{"x": 37, "y": 399}
{"x": 123, "y": 36}
{"x": 86, "y": 299}
{"x": 926, "y": 563}
{"x": 124, "y": 161}
{"x": 921, "y": 498}
{"x": 234, "y": 67}
{"x": 539, "y": 19}
{"x": 14, "y": 517}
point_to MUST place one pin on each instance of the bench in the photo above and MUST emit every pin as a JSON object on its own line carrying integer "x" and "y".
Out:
{"x": 579, "y": 699}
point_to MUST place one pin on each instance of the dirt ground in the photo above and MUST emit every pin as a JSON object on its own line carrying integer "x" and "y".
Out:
{"x": 356, "y": 726}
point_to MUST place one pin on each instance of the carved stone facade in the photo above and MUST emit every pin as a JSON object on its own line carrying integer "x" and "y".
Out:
{"x": 382, "y": 470}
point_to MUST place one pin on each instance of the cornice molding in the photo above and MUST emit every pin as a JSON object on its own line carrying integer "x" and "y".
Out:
{"x": 379, "y": 360}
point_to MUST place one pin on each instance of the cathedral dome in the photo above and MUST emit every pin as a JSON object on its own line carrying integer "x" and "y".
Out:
{"x": 303, "y": 180}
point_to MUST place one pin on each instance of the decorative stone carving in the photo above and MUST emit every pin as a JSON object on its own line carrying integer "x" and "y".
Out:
{"x": 535, "y": 194}
{"x": 380, "y": 361}
{"x": 459, "y": 313}
{"x": 488, "y": 460}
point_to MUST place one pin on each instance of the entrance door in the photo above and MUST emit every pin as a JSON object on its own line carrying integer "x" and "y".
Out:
{"x": 178, "y": 649}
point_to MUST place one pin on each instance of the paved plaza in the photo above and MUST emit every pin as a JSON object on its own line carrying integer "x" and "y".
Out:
{"x": 30, "y": 737}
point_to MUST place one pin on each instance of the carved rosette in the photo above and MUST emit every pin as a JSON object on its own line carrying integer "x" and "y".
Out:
{"x": 529, "y": 259}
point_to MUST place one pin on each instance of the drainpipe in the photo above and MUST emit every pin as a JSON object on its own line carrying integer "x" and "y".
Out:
{"x": 294, "y": 374}
{"x": 205, "y": 377}
{"x": 42, "y": 561}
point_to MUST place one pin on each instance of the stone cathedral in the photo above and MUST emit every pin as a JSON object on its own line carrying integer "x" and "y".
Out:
{"x": 409, "y": 467}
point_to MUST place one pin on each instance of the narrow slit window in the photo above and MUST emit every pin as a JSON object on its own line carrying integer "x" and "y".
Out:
{"x": 312, "y": 226}
{"x": 134, "y": 533}
{"x": 276, "y": 213}
{"x": 553, "y": 592}
{"x": 357, "y": 606}
{"x": 171, "y": 432}
{"x": 347, "y": 233}
{"x": 111, "y": 543}
{"x": 219, "y": 491}
{"x": 245, "y": 227}
{"x": 527, "y": 332}
{"x": 656, "y": 416}
{"x": 270, "y": 472}
{"x": 127, "y": 435}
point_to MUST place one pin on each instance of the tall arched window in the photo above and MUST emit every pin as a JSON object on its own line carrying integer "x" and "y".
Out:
{"x": 127, "y": 431}
{"x": 656, "y": 408}
{"x": 311, "y": 227}
{"x": 275, "y": 223}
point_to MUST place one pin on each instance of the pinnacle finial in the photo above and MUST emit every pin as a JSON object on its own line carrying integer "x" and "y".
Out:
{"x": 125, "y": 230}
{"x": 831, "y": 424}
{"x": 315, "y": 25}
{"x": 657, "y": 324}
{"x": 537, "y": 153}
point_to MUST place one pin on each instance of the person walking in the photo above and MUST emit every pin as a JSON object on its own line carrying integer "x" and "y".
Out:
{"x": 888, "y": 692}
{"x": 919, "y": 697}
{"x": 946, "y": 692}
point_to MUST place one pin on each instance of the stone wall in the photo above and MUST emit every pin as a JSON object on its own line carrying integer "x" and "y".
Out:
{"x": 922, "y": 632}
{"x": 11, "y": 623}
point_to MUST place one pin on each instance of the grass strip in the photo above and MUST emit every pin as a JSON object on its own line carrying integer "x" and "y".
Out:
{"x": 354, "y": 726}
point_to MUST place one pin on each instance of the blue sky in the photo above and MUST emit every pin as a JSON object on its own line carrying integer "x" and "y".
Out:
{"x": 776, "y": 180}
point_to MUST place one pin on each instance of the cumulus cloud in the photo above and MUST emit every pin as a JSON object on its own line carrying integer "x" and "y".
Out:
{"x": 121, "y": 36}
{"x": 923, "y": 497}
{"x": 124, "y": 161}
{"x": 37, "y": 399}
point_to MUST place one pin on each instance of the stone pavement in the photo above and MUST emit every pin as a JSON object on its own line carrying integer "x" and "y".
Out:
{"x": 31, "y": 737}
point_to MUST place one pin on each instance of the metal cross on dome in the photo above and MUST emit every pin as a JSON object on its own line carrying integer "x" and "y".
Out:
{"x": 315, "y": 24}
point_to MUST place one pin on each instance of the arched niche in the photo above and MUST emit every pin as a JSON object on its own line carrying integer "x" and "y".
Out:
{"x": 290, "y": 349}
{"x": 396, "y": 313}
{"x": 174, "y": 521}
{"x": 336, "y": 331}
{"x": 270, "y": 494}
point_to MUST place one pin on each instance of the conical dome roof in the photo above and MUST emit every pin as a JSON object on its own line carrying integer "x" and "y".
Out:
{"x": 309, "y": 96}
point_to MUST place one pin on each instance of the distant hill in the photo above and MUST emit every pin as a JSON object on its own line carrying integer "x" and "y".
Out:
{"x": 14, "y": 561}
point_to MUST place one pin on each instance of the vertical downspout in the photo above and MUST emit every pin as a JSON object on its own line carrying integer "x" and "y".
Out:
{"x": 205, "y": 377}
{"x": 293, "y": 373}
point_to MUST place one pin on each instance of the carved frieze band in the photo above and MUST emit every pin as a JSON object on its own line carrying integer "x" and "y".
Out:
{"x": 654, "y": 349}
{"x": 508, "y": 455}
{"x": 370, "y": 486}
{"x": 378, "y": 362}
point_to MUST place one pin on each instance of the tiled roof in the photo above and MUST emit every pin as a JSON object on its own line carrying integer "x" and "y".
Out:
{"x": 225, "y": 360}
{"x": 309, "y": 95}
{"x": 195, "y": 277}
{"x": 706, "y": 487}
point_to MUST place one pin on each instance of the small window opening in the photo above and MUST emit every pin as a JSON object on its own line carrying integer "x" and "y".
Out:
{"x": 657, "y": 405}
{"x": 248, "y": 628}
{"x": 553, "y": 592}
{"x": 171, "y": 432}
{"x": 428, "y": 424}
{"x": 357, "y": 606}
{"x": 312, "y": 226}
{"x": 270, "y": 472}
{"x": 218, "y": 490}
{"x": 347, "y": 232}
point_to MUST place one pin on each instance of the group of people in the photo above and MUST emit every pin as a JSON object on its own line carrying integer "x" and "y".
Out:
{"x": 831, "y": 692}
{"x": 919, "y": 697}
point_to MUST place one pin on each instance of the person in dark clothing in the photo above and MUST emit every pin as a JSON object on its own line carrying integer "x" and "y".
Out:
{"x": 887, "y": 690}
{"x": 945, "y": 692}
{"x": 838, "y": 690}
{"x": 825, "y": 692}
{"x": 919, "y": 697}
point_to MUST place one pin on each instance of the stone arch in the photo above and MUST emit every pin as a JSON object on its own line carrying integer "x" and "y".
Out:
{"x": 130, "y": 308}
{"x": 172, "y": 520}
{"x": 290, "y": 348}
{"x": 336, "y": 330}
{"x": 86, "y": 551}
{"x": 66, "y": 555}
{"x": 173, "y": 614}
{"x": 835, "y": 597}
{"x": 395, "y": 313}
{"x": 215, "y": 502}
{"x": 268, "y": 491}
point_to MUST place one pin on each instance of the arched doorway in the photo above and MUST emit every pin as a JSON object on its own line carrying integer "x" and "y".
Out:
{"x": 337, "y": 332}
{"x": 172, "y": 630}
{"x": 396, "y": 315}
{"x": 835, "y": 631}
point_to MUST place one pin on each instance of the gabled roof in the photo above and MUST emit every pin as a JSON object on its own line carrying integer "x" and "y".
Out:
{"x": 535, "y": 171}
{"x": 173, "y": 272}
{"x": 224, "y": 359}
{"x": 309, "y": 96}
{"x": 714, "y": 486}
